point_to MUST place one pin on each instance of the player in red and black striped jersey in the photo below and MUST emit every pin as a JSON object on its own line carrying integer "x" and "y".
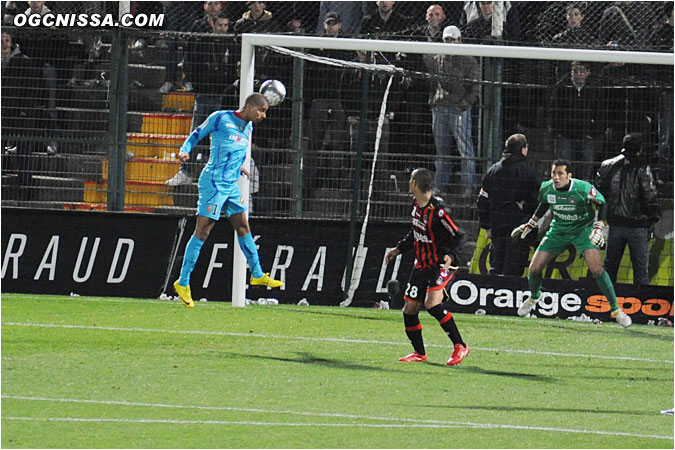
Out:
{"x": 438, "y": 243}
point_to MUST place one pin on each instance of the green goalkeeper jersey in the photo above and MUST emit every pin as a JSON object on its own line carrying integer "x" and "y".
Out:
{"x": 572, "y": 209}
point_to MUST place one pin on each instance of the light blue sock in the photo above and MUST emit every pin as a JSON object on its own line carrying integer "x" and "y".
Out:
{"x": 248, "y": 247}
{"x": 192, "y": 249}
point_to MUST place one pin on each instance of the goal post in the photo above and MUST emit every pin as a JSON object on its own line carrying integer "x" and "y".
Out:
{"x": 477, "y": 50}
{"x": 249, "y": 43}
{"x": 238, "y": 259}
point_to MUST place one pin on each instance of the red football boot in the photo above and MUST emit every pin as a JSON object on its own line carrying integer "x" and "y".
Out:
{"x": 414, "y": 357}
{"x": 458, "y": 355}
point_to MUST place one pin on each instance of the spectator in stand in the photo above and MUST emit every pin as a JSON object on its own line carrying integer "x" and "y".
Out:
{"x": 628, "y": 106}
{"x": 479, "y": 19}
{"x": 213, "y": 70}
{"x": 351, "y": 15}
{"x": 298, "y": 17}
{"x": 478, "y": 22}
{"x": 577, "y": 33}
{"x": 178, "y": 16}
{"x": 415, "y": 118}
{"x": 627, "y": 183}
{"x": 435, "y": 23}
{"x": 452, "y": 94}
{"x": 256, "y": 20}
{"x": 144, "y": 7}
{"x": 9, "y": 11}
{"x": 328, "y": 126}
{"x": 661, "y": 40}
{"x": 627, "y": 24}
{"x": 50, "y": 52}
{"x": 268, "y": 64}
{"x": 201, "y": 25}
{"x": 507, "y": 198}
{"x": 574, "y": 118}
{"x": 22, "y": 99}
{"x": 353, "y": 96}
{"x": 386, "y": 21}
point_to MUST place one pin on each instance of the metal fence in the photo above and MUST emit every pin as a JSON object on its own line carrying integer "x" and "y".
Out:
{"x": 93, "y": 119}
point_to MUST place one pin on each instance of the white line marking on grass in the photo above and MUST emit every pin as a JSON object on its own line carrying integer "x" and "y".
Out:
{"x": 286, "y": 307}
{"x": 325, "y": 339}
{"x": 418, "y": 423}
{"x": 341, "y": 425}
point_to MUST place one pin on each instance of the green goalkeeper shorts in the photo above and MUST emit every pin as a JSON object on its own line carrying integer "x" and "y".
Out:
{"x": 556, "y": 243}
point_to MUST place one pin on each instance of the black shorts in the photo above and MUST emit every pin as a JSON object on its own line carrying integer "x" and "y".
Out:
{"x": 422, "y": 281}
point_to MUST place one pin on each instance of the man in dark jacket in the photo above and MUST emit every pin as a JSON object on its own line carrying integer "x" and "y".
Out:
{"x": 327, "y": 117}
{"x": 627, "y": 183}
{"x": 23, "y": 98}
{"x": 508, "y": 197}
{"x": 212, "y": 67}
{"x": 454, "y": 90}
{"x": 256, "y": 20}
{"x": 386, "y": 21}
{"x": 575, "y": 118}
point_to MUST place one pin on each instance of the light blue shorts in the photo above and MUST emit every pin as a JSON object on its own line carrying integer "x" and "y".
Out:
{"x": 212, "y": 198}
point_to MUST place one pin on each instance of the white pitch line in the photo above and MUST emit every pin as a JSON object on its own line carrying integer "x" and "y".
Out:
{"x": 223, "y": 408}
{"x": 295, "y": 308}
{"x": 287, "y": 307}
{"x": 341, "y": 425}
{"x": 325, "y": 339}
{"x": 410, "y": 423}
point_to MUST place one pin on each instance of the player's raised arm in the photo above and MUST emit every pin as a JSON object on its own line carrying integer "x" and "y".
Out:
{"x": 198, "y": 134}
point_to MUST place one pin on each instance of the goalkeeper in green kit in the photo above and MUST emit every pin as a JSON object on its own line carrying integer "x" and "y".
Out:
{"x": 571, "y": 202}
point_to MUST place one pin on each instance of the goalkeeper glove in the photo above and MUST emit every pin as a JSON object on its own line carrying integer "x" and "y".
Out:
{"x": 524, "y": 229}
{"x": 597, "y": 236}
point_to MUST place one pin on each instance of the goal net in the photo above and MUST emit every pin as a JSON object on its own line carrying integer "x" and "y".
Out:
{"x": 361, "y": 114}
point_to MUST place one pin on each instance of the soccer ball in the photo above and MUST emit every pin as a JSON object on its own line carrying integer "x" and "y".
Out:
{"x": 274, "y": 92}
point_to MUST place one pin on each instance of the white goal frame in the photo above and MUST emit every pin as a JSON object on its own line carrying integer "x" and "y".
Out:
{"x": 251, "y": 41}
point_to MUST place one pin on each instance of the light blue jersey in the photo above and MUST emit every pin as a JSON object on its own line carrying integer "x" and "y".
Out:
{"x": 230, "y": 136}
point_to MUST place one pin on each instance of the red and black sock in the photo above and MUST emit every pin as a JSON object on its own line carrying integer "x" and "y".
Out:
{"x": 413, "y": 328}
{"x": 444, "y": 317}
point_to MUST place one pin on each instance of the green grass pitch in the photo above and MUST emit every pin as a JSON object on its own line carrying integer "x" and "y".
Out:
{"x": 85, "y": 372}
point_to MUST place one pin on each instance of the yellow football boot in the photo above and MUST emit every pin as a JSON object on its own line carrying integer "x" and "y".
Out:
{"x": 184, "y": 294}
{"x": 265, "y": 280}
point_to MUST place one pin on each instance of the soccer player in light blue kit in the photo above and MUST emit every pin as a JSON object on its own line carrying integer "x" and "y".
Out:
{"x": 230, "y": 136}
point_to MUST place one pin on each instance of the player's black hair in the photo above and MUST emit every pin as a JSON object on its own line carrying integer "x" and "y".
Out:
{"x": 563, "y": 162}
{"x": 256, "y": 99}
{"x": 424, "y": 178}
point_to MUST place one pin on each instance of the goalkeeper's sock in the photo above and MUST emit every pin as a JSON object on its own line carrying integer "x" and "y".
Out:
{"x": 413, "y": 328}
{"x": 251, "y": 253}
{"x": 445, "y": 319}
{"x": 192, "y": 249}
{"x": 607, "y": 288}
{"x": 534, "y": 281}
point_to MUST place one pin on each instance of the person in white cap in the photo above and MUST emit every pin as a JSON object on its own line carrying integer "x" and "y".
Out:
{"x": 453, "y": 92}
